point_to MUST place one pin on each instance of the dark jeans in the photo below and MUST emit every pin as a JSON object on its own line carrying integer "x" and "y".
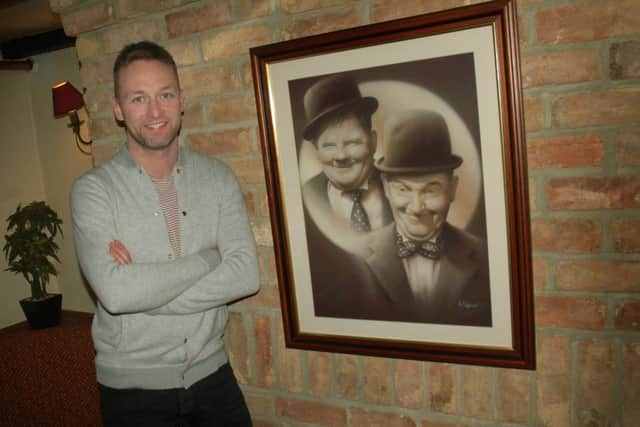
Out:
{"x": 213, "y": 401}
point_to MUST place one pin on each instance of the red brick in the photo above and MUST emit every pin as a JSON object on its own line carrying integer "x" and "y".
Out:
{"x": 570, "y": 312}
{"x": 588, "y": 20}
{"x": 184, "y": 52}
{"x": 250, "y": 9}
{"x": 290, "y": 365}
{"x": 347, "y": 379}
{"x": 526, "y": 3}
{"x": 624, "y": 60}
{"x": 102, "y": 152}
{"x": 615, "y": 106}
{"x": 408, "y": 380}
{"x": 221, "y": 142}
{"x": 87, "y": 46}
{"x": 87, "y": 18}
{"x": 631, "y": 384}
{"x": 264, "y": 203}
{"x": 233, "y": 108}
{"x": 237, "y": 347}
{"x": 209, "y": 80}
{"x": 363, "y": 418}
{"x": 628, "y": 148}
{"x": 533, "y": 114}
{"x": 567, "y": 235}
{"x": 265, "y": 374}
{"x": 248, "y": 171}
{"x": 626, "y": 235}
{"x": 627, "y": 315}
{"x": 99, "y": 100}
{"x": 595, "y": 403}
{"x": 298, "y": 6}
{"x": 234, "y": 42}
{"x": 116, "y": 38}
{"x": 262, "y": 230}
{"x": 598, "y": 276}
{"x": 477, "y": 392}
{"x": 267, "y": 264}
{"x": 138, "y": 7}
{"x": 514, "y": 389}
{"x": 565, "y": 152}
{"x": 199, "y": 19}
{"x": 377, "y": 380}
{"x": 249, "y": 203}
{"x": 553, "y": 389}
{"x": 560, "y": 67}
{"x": 428, "y": 423}
{"x": 319, "y": 24}
{"x": 385, "y": 10}
{"x": 540, "y": 273}
{"x": 260, "y": 405}
{"x": 267, "y": 297}
{"x": 533, "y": 194}
{"x": 319, "y": 373}
{"x": 59, "y": 5}
{"x": 594, "y": 192}
{"x": 97, "y": 72}
{"x": 250, "y": 196}
{"x": 193, "y": 115}
{"x": 247, "y": 75}
{"x": 311, "y": 412}
{"x": 524, "y": 40}
{"x": 102, "y": 127}
{"x": 442, "y": 388}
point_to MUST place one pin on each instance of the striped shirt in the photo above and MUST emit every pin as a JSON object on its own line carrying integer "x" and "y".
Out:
{"x": 166, "y": 189}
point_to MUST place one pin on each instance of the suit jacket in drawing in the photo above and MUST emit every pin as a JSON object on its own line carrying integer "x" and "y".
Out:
{"x": 338, "y": 277}
{"x": 463, "y": 295}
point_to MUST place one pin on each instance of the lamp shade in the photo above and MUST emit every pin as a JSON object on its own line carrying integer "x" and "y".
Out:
{"x": 66, "y": 98}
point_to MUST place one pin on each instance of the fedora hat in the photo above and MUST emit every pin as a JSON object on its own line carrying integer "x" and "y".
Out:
{"x": 417, "y": 141}
{"x": 330, "y": 96}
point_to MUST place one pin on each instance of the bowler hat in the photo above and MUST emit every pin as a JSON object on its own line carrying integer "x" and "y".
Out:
{"x": 330, "y": 96}
{"x": 417, "y": 141}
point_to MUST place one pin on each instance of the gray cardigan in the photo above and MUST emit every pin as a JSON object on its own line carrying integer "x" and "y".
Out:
{"x": 159, "y": 321}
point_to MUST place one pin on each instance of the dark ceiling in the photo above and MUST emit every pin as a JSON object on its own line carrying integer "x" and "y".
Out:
{"x": 29, "y": 27}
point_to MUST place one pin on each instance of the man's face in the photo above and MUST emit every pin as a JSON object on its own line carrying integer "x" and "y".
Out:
{"x": 420, "y": 203}
{"x": 150, "y": 104}
{"x": 345, "y": 151}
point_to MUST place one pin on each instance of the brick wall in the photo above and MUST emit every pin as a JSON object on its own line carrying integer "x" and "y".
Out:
{"x": 581, "y": 77}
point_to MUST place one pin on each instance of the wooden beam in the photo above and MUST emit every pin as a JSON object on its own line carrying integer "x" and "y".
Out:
{"x": 16, "y": 65}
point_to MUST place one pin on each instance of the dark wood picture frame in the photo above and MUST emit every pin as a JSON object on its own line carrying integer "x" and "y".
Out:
{"x": 277, "y": 68}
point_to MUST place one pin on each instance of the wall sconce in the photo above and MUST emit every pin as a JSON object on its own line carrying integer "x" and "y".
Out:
{"x": 67, "y": 100}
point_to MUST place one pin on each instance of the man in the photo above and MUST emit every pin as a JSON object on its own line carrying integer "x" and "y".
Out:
{"x": 425, "y": 269}
{"x": 164, "y": 241}
{"x": 348, "y": 193}
{"x": 346, "y": 199}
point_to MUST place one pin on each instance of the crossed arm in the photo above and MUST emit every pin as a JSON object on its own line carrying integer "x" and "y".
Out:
{"x": 190, "y": 284}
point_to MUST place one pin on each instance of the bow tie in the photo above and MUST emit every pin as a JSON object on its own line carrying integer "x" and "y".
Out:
{"x": 429, "y": 249}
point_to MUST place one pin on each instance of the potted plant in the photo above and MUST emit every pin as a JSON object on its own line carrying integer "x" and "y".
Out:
{"x": 30, "y": 248}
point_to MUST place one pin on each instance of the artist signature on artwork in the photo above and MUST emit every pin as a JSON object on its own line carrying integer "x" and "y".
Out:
{"x": 468, "y": 305}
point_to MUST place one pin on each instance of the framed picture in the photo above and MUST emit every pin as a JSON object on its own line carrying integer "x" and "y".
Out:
{"x": 395, "y": 166}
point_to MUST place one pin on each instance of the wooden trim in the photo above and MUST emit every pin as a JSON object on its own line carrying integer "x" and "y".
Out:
{"x": 25, "y": 65}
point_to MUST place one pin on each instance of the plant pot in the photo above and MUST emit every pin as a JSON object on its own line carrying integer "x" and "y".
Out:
{"x": 42, "y": 313}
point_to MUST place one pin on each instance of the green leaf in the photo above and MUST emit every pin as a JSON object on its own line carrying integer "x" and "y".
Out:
{"x": 30, "y": 242}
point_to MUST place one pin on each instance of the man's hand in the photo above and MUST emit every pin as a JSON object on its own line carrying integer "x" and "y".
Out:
{"x": 119, "y": 252}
